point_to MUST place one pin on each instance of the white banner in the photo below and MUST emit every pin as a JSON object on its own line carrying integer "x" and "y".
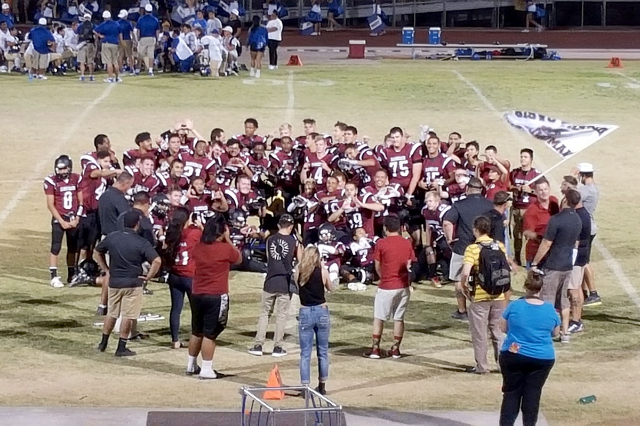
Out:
{"x": 564, "y": 138}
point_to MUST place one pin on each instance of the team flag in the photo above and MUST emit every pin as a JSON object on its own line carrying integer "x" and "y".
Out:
{"x": 564, "y": 138}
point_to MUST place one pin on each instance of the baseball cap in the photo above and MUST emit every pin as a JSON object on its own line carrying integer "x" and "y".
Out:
{"x": 585, "y": 168}
{"x": 474, "y": 182}
{"x": 87, "y": 16}
{"x": 123, "y": 14}
{"x": 106, "y": 14}
{"x": 286, "y": 220}
{"x": 235, "y": 12}
{"x": 42, "y": 21}
{"x": 215, "y": 31}
{"x": 501, "y": 197}
{"x": 5, "y": 6}
{"x": 148, "y": 8}
{"x": 228, "y": 29}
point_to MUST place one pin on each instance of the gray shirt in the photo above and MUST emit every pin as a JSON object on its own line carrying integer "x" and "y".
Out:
{"x": 589, "y": 195}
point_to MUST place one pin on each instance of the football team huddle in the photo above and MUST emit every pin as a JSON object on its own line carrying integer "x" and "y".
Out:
{"x": 338, "y": 187}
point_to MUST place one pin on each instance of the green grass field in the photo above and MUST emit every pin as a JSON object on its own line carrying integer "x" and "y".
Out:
{"x": 47, "y": 341}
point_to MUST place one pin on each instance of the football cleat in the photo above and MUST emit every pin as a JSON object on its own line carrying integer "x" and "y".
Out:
{"x": 56, "y": 282}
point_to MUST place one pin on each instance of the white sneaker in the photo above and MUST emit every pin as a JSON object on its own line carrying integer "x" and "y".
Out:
{"x": 56, "y": 282}
{"x": 252, "y": 72}
{"x": 525, "y": 30}
{"x": 207, "y": 375}
{"x": 271, "y": 67}
{"x": 257, "y": 73}
{"x": 42, "y": 77}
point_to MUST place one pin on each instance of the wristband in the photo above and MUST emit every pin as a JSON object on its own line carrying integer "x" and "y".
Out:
{"x": 80, "y": 211}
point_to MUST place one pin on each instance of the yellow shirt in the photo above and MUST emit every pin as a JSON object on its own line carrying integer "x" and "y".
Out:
{"x": 472, "y": 257}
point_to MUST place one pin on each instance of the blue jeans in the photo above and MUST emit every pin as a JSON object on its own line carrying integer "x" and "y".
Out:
{"x": 314, "y": 321}
{"x": 178, "y": 286}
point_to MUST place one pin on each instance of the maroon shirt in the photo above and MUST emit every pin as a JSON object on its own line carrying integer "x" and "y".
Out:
{"x": 212, "y": 265}
{"x": 518, "y": 176}
{"x": 65, "y": 193}
{"x": 399, "y": 164}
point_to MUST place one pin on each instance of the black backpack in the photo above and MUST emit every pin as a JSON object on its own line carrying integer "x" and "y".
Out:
{"x": 493, "y": 273}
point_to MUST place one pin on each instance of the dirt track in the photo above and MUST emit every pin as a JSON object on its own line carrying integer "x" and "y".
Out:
{"x": 606, "y": 39}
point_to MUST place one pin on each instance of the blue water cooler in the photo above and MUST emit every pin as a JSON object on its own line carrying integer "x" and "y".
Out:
{"x": 408, "y": 34}
{"x": 434, "y": 35}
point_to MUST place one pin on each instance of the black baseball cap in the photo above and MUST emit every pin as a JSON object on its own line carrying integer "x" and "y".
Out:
{"x": 286, "y": 220}
{"x": 502, "y": 197}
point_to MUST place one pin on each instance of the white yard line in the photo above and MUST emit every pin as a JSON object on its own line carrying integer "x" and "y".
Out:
{"x": 46, "y": 159}
{"x": 635, "y": 80}
{"x": 291, "y": 100}
{"x": 611, "y": 261}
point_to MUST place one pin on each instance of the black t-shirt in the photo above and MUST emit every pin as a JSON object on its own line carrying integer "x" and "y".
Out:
{"x": 312, "y": 292}
{"x": 281, "y": 250}
{"x": 462, "y": 214}
{"x": 563, "y": 231}
{"x": 145, "y": 228}
{"x": 85, "y": 32}
{"x": 584, "y": 246}
{"x": 127, "y": 252}
{"x": 235, "y": 24}
{"x": 111, "y": 205}
{"x": 497, "y": 225}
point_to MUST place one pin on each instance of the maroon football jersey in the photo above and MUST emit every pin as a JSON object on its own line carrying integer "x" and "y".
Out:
{"x": 439, "y": 167}
{"x": 399, "y": 164}
{"x": 228, "y": 171}
{"x": 91, "y": 188}
{"x": 331, "y": 253}
{"x": 197, "y": 166}
{"x": 248, "y": 141}
{"x": 314, "y": 219}
{"x": 199, "y": 204}
{"x": 285, "y": 167}
{"x": 363, "y": 256}
{"x": 166, "y": 180}
{"x": 358, "y": 217}
{"x": 316, "y": 171}
{"x": 456, "y": 193}
{"x": 520, "y": 177}
{"x": 238, "y": 200}
{"x": 434, "y": 219}
{"x": 129, "y": 157}
{"x": 388, "y": 198}
{"x": 258, "y": 167}
{"x": 149, "y": 184}
{"x": 65, "y": 193}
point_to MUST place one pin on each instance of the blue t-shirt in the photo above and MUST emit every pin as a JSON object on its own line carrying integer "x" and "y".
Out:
{"x": 199, "y": 23}
{"x": 8, "y": 19}
{"x": 258, "y": 38}
{"x": 40, "y": 36}
{"x": 110, "y": 30}
{"x": 530, "y": 328}
{"x": 148, "y": 25}
{"x": 125, "y": 28}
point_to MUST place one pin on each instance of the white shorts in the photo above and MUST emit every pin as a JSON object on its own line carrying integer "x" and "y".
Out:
{"x": 391, "y": 304}
{"x": 455, "y": 267}
{"x": 531, "y": 8}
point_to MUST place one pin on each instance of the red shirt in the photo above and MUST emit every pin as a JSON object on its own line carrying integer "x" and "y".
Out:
{"x": 536, "y": 219}
{"x": 393, "y": 253}
{"x": 212, "y": 264}
{"x": 494, "y": 187}
{"x": 184, "y": 264}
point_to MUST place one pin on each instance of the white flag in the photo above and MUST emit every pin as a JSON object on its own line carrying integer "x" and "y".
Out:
{"x": 564, "y": 138}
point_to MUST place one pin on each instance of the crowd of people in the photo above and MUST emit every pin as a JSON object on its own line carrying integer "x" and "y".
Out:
{"x": 136, "y": 41}
{"x": 318, "y": 212}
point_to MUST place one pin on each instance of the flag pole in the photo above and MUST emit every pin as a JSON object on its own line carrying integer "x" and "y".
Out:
{"x": 548, "y": 170}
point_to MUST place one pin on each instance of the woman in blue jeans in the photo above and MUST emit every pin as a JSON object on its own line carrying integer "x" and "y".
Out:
{"x": 182, "y": 236}
{"x": 314, "y": 318}
{"x": 527, "y": 354}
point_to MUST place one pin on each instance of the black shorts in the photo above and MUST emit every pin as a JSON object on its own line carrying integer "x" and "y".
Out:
{"x": 209, "y": 315}
{"x": 89, "y": 230}
{"x": 57, "y": 233}
{"x": 262, "y": 49}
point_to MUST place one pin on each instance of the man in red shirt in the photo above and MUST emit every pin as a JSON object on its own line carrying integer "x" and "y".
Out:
{"x": 537, "y": 217}
{"x": 393, "y": 257}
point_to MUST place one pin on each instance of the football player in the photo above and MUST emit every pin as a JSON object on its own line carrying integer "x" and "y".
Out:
{"x": 318, "y": 165}
{"x": 403, "y": 161}
{"x": 457, "y": 190}
{"x": 470, "y": 161}
{"x": 306, "y": 206}
{"x": 199, "y": 199}
{"x": 390, "y": 196}
{"x": 523, "y": 196}
{"x": 161, "y": 208}
{"x": 360, "y": 271}
{"x": 338, "y": 132}
{"x": 233, "y": 163}
{"x": 309, "y": 127}
{"x": 244, "y": 199}
{"x": 260, "y": 165}
{"x": 357, "y": 210}
{"x": 497, "y": 179}
{"x": 362, "y": 162}
{"x": 285, "y": 167}
{"x": 249, "y": 137}
{"x": 167, "y": 153}
{"x": 64, "y": 201}
{"x": 144, "y": 177}
{"x": 283, "y": 131}
{"x": 102, "y": 143}
{"x": 198, "y": 164}
{"x": 331, "y": 250}
{"x": 436, "y": 250}
{"x": 249, "y": 240}
{"x": 490, "y": 158}
{"x": 173, "y": 177}
{"x": 145, "y": 148}
{"x": 437, "y": 168}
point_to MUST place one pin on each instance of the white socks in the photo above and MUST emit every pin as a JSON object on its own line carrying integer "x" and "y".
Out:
{"x": 252, "y": 72}
{"x": 207, "y": 370}
{"x": 191, "y": 364}
{"x": 257, "y": 73}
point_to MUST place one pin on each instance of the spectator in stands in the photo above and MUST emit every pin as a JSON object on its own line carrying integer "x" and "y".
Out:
{"x": 8, "y": 47}
{"x": 43, "y": 43}
{"x": 109, "y": 33}
{"x": 7, "y": 16}
{"x": 527, "y": 355}
{"x": 86, "y": 47}
{"x": 274, "y": 27}
{"x": 315, "y": 17}
{"x": 213, "y": 23}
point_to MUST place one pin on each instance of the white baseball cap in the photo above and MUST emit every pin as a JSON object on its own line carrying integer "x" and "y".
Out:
{"x": 87, "y": 17}
{"x": 123, "y": 14}
{"x": 5, "y": 6}
{"x": 42, "y": 21}
{"x": 227, "y": 29}
{"x": 585, "y": 168}
{"x": 106, "y": 14}
{"x": 235, "y": 12}
{"x": 148, "y": 8}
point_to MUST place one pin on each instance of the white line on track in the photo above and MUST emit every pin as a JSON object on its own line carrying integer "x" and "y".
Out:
{"x": 291, "y": 100}
{"x": 635, "y": 80}
{"x": 55, "y": 149}
{"x": 611, "y": 261}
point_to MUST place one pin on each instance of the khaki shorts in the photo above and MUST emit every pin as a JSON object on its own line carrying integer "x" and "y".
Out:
{"x": 391, "y": 304}
{"x": 455, "y": 267}
{"x": 109, "y": 54}
{"x": 126, "y": 302}
{"x": 577, "y": 274}
{"x": 555, "y": 287}
{"x": 125, "y": 49}
{"x": 87, "y": 54}
{"x": 40, "y": 61}
{"x": 55, "y": 56}
{"x": 146, "y": 47}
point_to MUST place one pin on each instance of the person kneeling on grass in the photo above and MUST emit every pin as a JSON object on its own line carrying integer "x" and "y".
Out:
{"x": 127, "y": 252}
{"x": 213, "y": 257}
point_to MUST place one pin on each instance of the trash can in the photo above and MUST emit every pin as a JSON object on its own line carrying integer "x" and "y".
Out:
{"x": 434, "y": 35}
{"x": 407, "y": 35}
{"x": 356, "y": 49}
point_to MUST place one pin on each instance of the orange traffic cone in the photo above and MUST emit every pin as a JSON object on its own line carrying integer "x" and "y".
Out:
{"x": 615, "y": 63}
{"x": 275, "y": 381}
{"x": 294, "y": 60}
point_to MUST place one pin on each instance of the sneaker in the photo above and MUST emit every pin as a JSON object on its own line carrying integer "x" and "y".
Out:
{"x": 565, "y": 339}
{"x": 118, "y": 80}
{"x": 92, "y": 78}
{"x": 252, "y": 72}
{"x": 575, "y": 327}
{"x": 462, "y": 316}
{"x": 525, "y": 30}
{"x": 593, "y": 300}
{"x": 271, "y": 67}
{"x": 133, "y": 73}
{"x": 474, "y": 370}
{"x": 147, "y": 291}
{"x": 56, "y": 282}
{"x": 151, "y": 74}
{"x": 208, "y": 376}
{"x": 81, "y": 78}
{"x": 195, "y": 372}
{"x": 278, "y": 352}
{"x": 374, "y": 353}
{"x": 102, "y": 347}
{"x": 394, "y": 352}
{"x": 42, "y": 77}
{"x": 125, "y": 352}
{"x": 256, "y": 350}
{"x": 109, "y": 80}
{"x": 101, "y": 311}
{"x": 437, "y": 283}
{"x": 540, "y": 29}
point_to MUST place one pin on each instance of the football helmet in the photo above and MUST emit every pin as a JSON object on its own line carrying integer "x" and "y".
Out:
{"x": 237, "y": 219}
{"x": 345, "y": 164}
{"x": 61, "y": 163}
{"x": 88, "y": 271}
{"x": 160, "y": 205}
{"x": 327, "y": 233}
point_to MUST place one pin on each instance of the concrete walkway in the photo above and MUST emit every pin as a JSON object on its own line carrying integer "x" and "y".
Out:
{"x": 61, "y": 416}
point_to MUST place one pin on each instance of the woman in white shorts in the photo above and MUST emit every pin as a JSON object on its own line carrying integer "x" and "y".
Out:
{"x": 531, "y": 10}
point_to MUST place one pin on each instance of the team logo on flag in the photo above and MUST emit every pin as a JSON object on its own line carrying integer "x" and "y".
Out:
{"x": 564, "y": 138}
